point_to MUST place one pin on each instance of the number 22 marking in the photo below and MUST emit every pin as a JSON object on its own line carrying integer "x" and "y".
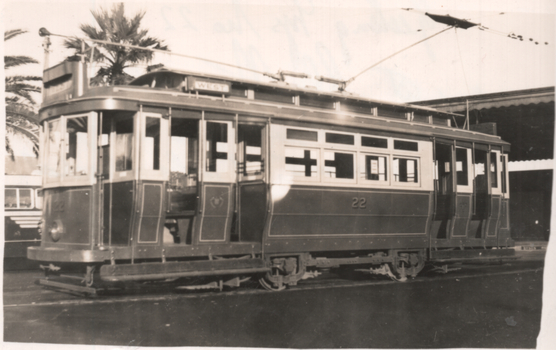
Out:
{"x": 360, "y": 203}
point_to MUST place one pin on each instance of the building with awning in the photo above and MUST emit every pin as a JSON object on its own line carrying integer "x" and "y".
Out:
{"x": 525, "y": 118}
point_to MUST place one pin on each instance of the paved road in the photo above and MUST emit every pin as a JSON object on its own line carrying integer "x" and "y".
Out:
{"x": 494, "y": 306}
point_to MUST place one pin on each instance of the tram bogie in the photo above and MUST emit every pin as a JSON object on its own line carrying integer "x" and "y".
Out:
{"x": 182, "y": 175}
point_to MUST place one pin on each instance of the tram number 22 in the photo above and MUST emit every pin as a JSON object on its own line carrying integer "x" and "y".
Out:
{"x": 360, "y": 203}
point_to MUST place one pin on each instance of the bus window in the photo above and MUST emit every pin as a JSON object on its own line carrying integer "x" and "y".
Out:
{"x": 77, "y": 147}
{"x": 217, "y": 147}
{"x": 10, "y": 198}
{"x": 124, "y": 143}
{"x": 25, "y": 198}
{"x": 38, "y": 198}
{"x": 405, "y": 170}
{"x": 250, "y": 151}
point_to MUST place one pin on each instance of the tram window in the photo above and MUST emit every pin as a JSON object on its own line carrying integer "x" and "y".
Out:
{"x": 406, "y": 145}
{"x": 338, "y": 165}
{"x": 405, "y": 170}
{"x": 10, "y": 198}
{"x": 217, "y": 147}
{"x": 25, "y": 199}
{"x": 374, "y": 142}
{"x": 374, "y": 168}
{"x": 77, "y": 149}
{"x": 503, "y": 173}
{"x": 250, "y": 149}
{"x": 54, "y": 144}
{"x": 493, "y": 171}
{"x": 461, "y": 167}
{"x": 151, "y": 148}
{"x": 303, "y": 135}
{"x": 124, "y": 143}
{"x": 184, "y": 159}
{"x": 480, "y": 174}
{"x": 340, "y": 138}
{"x": 301, "y": 162}
{"x": 104, "y": 143}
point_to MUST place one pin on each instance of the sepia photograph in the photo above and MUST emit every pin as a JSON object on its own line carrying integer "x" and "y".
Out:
{"x": 278, "y": 174}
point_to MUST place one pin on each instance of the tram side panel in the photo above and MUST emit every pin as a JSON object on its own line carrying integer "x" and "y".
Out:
{"x": 327, "y": 196}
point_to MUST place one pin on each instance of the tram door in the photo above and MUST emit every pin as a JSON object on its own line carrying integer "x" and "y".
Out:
{"x": 454, "y": 191}
{"x": 495, "y": 197}
{"x": 252, "y": 188}
{"x": 480, "y": 196}
{"x": 182, "y": 186}
{"x": 444, "y": 188}
{"x": 117, "y": 162}
{"x": 217, "y": 195}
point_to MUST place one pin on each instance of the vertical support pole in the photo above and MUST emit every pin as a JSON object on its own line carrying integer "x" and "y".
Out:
{"x": 467, "y": 114}
{"x": 236, "y": 209}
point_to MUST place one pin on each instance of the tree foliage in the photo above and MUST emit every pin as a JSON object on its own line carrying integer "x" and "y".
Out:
{"x": 21, "y": 116}
{"x": 115, "y": 27}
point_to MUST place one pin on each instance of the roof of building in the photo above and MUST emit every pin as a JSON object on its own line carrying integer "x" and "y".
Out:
{"x": 494, "y": 100}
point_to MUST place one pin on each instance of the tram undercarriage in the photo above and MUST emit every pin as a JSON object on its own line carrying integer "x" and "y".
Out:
{"x": 274, "y": 273}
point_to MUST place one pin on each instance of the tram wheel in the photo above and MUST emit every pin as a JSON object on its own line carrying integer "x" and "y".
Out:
{"x": 407, "y": 264}
{"x": 89, "y": 276}
{"x": 270, "y": 287}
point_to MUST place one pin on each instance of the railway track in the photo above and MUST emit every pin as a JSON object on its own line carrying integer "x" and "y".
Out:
{"x": 15, "y": 296}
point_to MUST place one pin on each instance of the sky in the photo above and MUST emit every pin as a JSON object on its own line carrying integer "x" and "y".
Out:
{"x": 337, "y": 39}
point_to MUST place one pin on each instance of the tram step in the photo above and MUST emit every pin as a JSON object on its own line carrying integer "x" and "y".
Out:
{"x": 475, "y": 254}
{"x": 176, "y": 269}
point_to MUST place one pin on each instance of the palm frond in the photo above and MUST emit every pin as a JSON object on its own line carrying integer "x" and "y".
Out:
{"x": 22, "y": 113}
{"x": 9, "y": 34}
{"x": 16, "y": 129}
{"x": 15, "y": 61}
{"x": 112, "y": 25}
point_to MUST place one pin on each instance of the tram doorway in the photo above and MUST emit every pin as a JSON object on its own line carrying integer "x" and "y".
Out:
{"x": 454, "y": 190}
{"x": 252, "y": 188}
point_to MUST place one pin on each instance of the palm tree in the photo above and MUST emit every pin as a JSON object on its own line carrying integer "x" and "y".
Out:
{"x": 117, "y": 28}
{"x": 21, "y": 116}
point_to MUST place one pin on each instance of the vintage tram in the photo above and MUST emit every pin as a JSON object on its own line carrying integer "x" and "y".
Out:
{"x": 22, "y": 214}
{"x": 181, "y": 174}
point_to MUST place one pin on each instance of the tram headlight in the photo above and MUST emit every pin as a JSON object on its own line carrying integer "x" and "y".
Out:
{"x": 56, "y": 229}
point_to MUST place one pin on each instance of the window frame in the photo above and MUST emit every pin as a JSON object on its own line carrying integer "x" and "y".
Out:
{"x": 363, "y": 169}
{"x": 498, "y": 189}
{"x": 161, "y": 174}
{"x": 469, "y": 187}
{"x": 63, "y": 180}
{"x": 241, "y": 155}
{"x": 419, "y": 172}
{"x": 302, "y": 178}
{"x": 230, "y": 174}
{"x": 133, "y": 173}
{"x": 322, "y": 167}
{"x": 18, "y": 198}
